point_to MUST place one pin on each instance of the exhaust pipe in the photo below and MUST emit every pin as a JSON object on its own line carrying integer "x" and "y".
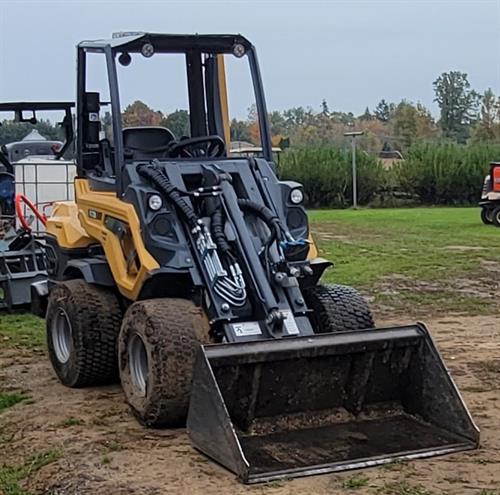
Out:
{"x": 285, "y": 408}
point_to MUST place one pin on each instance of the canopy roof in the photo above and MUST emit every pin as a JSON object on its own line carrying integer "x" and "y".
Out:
{"x": 165, "y": 43}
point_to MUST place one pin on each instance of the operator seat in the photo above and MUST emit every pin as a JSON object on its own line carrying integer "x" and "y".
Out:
{"x": 145, "y": 143}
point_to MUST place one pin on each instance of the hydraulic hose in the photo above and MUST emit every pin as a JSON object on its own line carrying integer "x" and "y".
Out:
{"x": 157, "y": 177}
{"x": 218, "y": 234}
{"x": 230, "y": 287}
{"x": 265, "y": 214}
{"x": 262, "y": 211}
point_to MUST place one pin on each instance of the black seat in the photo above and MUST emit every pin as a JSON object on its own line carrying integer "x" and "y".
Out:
{"x": 145, "y": 143}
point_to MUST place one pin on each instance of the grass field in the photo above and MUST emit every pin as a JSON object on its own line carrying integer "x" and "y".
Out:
{"x": 437, "y": 258}
{"x": 420, "y": 260}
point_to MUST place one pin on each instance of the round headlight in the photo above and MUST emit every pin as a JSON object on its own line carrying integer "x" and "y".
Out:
{"x": 296, "y": 196}
{"x": 147, "y": 50}
{"x": 238, "y": 50}
{"x": 125, "y": 59}
{"x": 155, "y": 202}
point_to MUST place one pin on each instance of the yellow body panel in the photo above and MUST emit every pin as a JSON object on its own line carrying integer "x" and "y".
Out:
{"x": 128, "y": 259}
{"x": 313, "y": 250}
{"x": 64, "y": 225}
{"x": 224, "y": 105}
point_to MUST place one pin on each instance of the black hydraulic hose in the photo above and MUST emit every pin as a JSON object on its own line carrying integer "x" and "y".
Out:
{"x": 264, "y": 213}
{"x": 218, "y": 231}
{"x": 157, "y": 177}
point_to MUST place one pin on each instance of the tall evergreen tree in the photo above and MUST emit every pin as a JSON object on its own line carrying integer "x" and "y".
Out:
{"x": 458, "y": 104}
{"x": 382, "y": 111}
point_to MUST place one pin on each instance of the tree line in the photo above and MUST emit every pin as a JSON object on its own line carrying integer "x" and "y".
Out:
{"x": 465, "y": 116}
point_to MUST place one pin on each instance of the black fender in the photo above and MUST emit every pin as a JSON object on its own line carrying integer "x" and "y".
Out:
{"x": 489, "y": 203}
{"x": 318, "y": 267}
{"x": 92, "y": 270}
{"x": 39, "y": 292}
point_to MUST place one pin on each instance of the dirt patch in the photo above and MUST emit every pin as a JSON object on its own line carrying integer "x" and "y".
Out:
{"x": 400, "y": 294}
{"x": 491, "y": 266}
{"x": 463, "y": 249}
{"x": 105, "y": 451}
{"x": 328, "y": 236}
{"x": 483, "y": 287}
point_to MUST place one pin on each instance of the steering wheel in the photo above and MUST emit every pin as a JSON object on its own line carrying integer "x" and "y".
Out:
{"x": 204, "y": 146}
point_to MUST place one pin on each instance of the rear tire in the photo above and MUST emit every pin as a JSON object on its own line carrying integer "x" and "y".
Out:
{"x": 337, "y": 308}
{"x": 157, "y": 347}
{"x": 495, "y": 216}
{"x": 83, "y": 322}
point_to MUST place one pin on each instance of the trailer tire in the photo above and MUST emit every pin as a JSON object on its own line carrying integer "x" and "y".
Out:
{"x": 83, "y": 322}
{"x": 157, "y": 347}
{"x": 495, "y": 216}
{"x": 337, "y": 308}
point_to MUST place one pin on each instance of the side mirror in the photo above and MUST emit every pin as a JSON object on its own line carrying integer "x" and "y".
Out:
{"x": 91, "y": 121}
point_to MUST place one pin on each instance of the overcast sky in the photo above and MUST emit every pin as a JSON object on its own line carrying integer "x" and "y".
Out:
{"x": 353, "y": 53}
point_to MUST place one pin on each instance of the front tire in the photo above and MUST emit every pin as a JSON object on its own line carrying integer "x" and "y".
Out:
{"x": 337, "y": 308}
{"x": 157, "y": 347}
{"x": 83, "y": 322}
{"x": 486, "y": 215}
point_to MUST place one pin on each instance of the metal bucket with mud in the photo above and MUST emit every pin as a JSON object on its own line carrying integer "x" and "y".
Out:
{"x": 293, "y": 407}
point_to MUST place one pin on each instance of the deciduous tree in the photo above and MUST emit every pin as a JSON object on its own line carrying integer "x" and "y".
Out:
{"x": 488, "y": 126}
{"x": 139, "y": 114}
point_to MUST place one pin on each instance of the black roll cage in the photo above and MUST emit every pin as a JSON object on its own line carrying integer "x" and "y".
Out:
{"x": 33, "y": 106}
{"x": 193, "y": 46}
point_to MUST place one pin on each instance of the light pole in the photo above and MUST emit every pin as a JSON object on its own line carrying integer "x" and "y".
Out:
{"x": 353, "y": 136}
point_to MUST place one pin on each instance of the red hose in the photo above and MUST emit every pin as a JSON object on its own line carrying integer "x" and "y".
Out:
{"x": 21, "y": 198}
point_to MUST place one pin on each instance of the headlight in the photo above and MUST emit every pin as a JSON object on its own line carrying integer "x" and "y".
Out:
{"x": 296, "y": 196}
{"x": 155, "y": 202}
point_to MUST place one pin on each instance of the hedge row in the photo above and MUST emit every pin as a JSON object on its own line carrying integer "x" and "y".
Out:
{"x": 446, "y": 174}
{"x": 326, "y": 174}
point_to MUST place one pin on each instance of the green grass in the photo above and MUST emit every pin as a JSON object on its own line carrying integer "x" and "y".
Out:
{"x": 114, "y": 446}
{"x": 22, "y": 330}
{"x": 355, "y": 482}
{"x": 71, "y": 421}
{"x": 9, "y": 399}
{"x": 10, "y": 476}
{"x": 403, "y": 488}
{"x": 412, "y": 257}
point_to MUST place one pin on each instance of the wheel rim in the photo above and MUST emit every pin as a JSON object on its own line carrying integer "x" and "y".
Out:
{"x": 138, "y": 360}
{"x": 62, "y": 338}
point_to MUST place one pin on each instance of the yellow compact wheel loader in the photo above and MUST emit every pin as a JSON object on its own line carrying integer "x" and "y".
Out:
{"x": 191, "y": 275}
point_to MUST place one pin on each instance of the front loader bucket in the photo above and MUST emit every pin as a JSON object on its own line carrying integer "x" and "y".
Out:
{"x": 294, "y": 407}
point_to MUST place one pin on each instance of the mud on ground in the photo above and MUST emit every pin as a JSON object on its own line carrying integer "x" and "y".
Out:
{"x": 101, "y": 449}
